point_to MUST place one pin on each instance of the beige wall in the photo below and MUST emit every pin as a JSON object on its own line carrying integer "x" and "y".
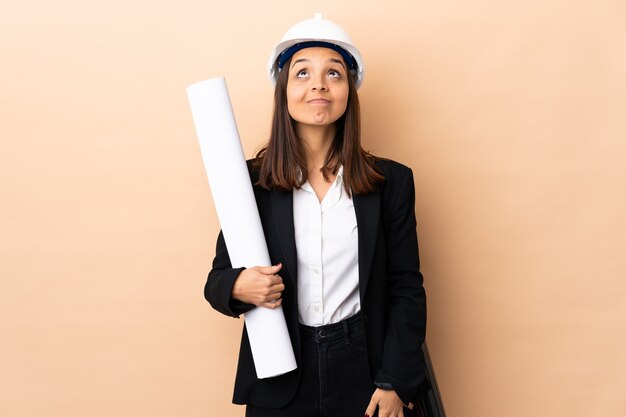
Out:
{"x": 512, "y": 115}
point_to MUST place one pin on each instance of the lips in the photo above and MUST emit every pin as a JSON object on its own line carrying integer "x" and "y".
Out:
{"x": 320, "y": 101}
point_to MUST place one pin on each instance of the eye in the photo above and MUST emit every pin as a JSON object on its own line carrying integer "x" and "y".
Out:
{"x": 302, "y": 73}
{"x": 334, "y": 74}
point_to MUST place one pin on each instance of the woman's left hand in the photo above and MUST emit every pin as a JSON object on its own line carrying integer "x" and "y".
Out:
{"x": 388, "y": 403}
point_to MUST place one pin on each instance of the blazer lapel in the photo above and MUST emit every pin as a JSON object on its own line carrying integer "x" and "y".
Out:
{"x": 282, "y": 215}
{"x": 367, "y": 208}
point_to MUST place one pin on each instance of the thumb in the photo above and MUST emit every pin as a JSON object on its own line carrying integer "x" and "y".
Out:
{"x": 270, "y": 270}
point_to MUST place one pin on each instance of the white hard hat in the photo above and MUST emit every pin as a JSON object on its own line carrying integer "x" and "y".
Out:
{"x": 316, "y": 32}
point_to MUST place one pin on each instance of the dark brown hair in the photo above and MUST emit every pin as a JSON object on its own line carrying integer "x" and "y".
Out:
{"x": 282, "y": 162}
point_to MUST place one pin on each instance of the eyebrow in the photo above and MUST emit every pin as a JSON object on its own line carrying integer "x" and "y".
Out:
{"x": 334, "y": 60}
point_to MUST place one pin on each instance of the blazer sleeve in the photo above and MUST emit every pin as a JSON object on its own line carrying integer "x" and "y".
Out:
{"x": 403, "y": 360}
{"x": 219, "y": 284}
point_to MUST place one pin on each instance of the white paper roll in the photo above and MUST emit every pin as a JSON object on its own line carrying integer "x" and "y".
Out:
{"x": 238, "y": 214}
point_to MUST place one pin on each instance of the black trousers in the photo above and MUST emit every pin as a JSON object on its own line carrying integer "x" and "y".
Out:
{"x": 335, "y": 380}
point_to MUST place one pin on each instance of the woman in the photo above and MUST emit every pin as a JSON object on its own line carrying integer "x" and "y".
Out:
{"x": 340, "y": 229}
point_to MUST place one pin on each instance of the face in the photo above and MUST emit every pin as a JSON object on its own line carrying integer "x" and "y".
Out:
{"x": 317, "y": 87}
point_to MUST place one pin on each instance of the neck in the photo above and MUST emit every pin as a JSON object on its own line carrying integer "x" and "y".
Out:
{"x": 317, "y": 142}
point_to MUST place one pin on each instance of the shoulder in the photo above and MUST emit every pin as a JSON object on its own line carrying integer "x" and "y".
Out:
{"x": 393, "y": 171}
{"x": 253, "y": 169}
{"x": 397, "y": 189}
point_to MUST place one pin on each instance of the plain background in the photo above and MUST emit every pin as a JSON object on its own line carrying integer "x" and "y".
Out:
{"x": 512, "y": 115}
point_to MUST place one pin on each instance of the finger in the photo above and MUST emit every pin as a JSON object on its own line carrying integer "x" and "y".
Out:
{"x": 276, "y": 279}
{"x": 272, "y": 292}
{"x": 277, "y": 288}
{"x": 371, "y": 408}
{"x": 273, "y": 297}
{"x": 270, "y": 270}
{"x": 273, "y": 304}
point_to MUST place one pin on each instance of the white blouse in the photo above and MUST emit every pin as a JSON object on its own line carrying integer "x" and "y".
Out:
{"x": 328, "y": 262}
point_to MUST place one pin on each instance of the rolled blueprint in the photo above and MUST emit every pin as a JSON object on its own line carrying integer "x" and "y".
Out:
{"x": 239, "y": 217}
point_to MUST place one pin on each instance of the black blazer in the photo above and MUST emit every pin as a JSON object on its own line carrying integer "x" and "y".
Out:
{"x": 393, "y": 301}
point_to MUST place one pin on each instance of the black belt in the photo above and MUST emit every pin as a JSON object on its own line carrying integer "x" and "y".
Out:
{"x": 334, "y": 331}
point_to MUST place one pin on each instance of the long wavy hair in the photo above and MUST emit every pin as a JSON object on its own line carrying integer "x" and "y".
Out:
{"x": 282, "y": 161}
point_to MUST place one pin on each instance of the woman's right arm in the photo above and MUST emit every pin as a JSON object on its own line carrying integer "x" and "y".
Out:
{"x": 235, "y": 291}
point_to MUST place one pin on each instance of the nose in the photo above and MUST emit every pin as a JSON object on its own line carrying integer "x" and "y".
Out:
{"x": 319, "y": 84}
